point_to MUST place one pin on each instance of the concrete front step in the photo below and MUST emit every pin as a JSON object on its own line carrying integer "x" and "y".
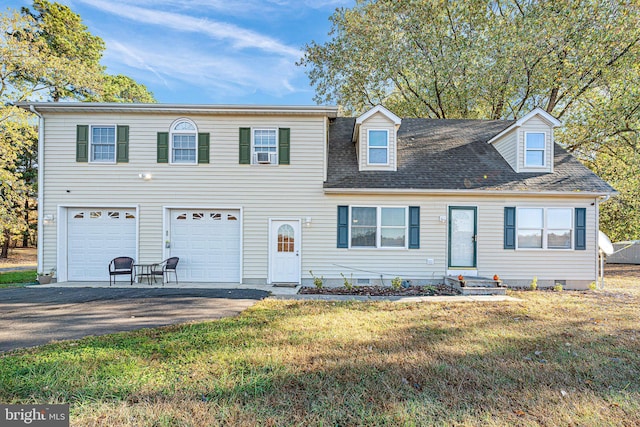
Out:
{"x": 476, "y": 285}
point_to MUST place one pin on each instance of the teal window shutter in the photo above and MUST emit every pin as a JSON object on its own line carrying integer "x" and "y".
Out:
{"x": 82, "y": 143}
{"x": 414, "y": 227}
{"x": 581, "y": 229}
{"x": 245, "y": 146}
{"x": 203, "y": 148}
{"x": 122, "y": 144}
{"x": 163, "y": 147}
{"x": 343, "y": 226}
{"x": 509, "y": 228}
{"x": 283, "y": 145}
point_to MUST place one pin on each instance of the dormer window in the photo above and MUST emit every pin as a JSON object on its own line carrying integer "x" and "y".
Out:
{"x": 378, "y": 146}
{"x": 535, "y": 149}
{"x": 375, "y": 136}
{"x": 183, "y": 142}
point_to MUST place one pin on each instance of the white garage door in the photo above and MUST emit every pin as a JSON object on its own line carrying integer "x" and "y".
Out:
{"x": 94, "y": 237}
{"x": 207, "y": 243}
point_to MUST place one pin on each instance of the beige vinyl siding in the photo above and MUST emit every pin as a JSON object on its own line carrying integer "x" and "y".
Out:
{"x": 507, "y": 147}
{"x": 492, "y": 259}
{"x": 378, "y": 121}
{"x": 535, "y": 124}
{"x": 262, "y": 191}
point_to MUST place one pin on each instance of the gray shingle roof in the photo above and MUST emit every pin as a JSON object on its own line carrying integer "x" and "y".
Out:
{"x": 438, "y": 154}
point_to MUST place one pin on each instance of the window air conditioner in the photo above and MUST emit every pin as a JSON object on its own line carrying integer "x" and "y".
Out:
{"x": 263, "y": 158}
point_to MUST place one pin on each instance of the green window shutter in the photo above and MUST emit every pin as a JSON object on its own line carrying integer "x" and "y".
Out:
{"x": 203, "y": 148}
{"x": 245, "y": 146}
{"x": 122, "y": 144}
{"x": 82, "y": 143}
{"x": 343, "y": 226}
{"x": 509, "y": 228}
{"x": 414, "y": 227}
{"x": 163, "y": 147}
{"x": 581, "y": 229}
{"x": 283, "y": 145}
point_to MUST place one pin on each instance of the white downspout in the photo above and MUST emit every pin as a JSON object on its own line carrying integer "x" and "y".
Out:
{"x": 599, "y": 267}
{"x": 40, "y": 187}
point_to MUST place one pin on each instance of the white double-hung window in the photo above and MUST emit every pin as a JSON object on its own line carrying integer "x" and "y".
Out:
{"x": 378, "y": 227}
{"x": 103, "y": 144}
{"x": 544, "y": 228}
{"x": 378, "y": 147}
{"x": 535, "y": 149}
{"x": 265, "y": 146}
{"x": 184, "y": 147}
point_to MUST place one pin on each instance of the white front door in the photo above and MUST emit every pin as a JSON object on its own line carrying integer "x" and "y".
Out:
{"x": 285, "y": 251}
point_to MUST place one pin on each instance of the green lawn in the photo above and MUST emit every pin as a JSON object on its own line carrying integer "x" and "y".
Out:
{"x": 557, "y": 358}
{"x": 17, "y": 278}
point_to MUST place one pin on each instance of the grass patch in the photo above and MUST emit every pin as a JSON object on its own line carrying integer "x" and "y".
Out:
{"x": 17, "y": 278}
{"x": 569, "y": 358}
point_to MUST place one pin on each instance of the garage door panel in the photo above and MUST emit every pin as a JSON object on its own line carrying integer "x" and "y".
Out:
{"x": 208, "y": 244}
{"x": 96, "y": 236}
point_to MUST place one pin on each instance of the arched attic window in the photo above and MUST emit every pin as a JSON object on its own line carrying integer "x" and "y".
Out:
{"x": 184, "y": 137}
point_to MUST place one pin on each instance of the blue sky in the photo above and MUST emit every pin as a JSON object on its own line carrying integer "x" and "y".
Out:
{"x": 209, "y": 51}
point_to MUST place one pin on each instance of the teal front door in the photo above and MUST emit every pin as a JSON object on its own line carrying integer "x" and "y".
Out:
{"x": 463, "y": 230}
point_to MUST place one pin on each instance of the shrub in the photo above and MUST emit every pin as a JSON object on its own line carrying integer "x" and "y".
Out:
{"x": 317, "y": 281}
{"x": 396, "y": 283}
{"x": 534, "y": 284}
{"x": 593, "y": 286}
{"x": 558, "y": 287}
{"x": 347, "y": 283}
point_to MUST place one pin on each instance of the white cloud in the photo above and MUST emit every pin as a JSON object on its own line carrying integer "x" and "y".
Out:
{"x": 240, "y": 38}
{"x": 217, "y": 74}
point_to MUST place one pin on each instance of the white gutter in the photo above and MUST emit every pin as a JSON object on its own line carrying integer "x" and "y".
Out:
{"x": 95, "y": 107}
{"x": 40, "y": 187}
{"x": 439, "y": 192}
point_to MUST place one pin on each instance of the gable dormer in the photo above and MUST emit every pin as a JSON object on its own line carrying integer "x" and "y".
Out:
{"x": 375, "y": 138}
{"x": 527, "y": 145}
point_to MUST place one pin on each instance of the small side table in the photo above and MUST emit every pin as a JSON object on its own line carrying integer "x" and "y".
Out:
{"x": 142, "y": 271}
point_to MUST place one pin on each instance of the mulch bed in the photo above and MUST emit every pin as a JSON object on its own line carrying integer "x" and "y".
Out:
{"x": 382, "y": 291}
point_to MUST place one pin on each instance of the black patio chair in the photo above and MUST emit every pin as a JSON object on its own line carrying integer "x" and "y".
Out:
{"x": 164, "y": 268}
{"x": 121, "y": 266}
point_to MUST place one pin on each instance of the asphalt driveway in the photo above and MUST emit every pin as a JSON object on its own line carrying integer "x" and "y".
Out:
{"x": 36, "y": 316}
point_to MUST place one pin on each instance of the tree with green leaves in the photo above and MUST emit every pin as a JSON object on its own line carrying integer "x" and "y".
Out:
{"x": 494, "y": 60}
{"x": 74, "y": 53}
{"x": 73, "y": 59}
{"x": 120, "y": 88}
{"x": 15, "y": 134}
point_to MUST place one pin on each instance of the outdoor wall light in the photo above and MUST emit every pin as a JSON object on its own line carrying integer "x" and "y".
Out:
{"x": 145, "y": 175}
{"x": 443, "y": 218}
{"x": 307, "y": 221}
{"x": 49, "y": 219}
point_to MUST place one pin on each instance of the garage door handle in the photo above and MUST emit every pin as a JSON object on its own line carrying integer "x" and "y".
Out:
{"x": 297, "y": 253}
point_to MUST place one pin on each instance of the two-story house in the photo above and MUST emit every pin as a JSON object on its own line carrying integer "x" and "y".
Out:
{"x": 264, "y": 194}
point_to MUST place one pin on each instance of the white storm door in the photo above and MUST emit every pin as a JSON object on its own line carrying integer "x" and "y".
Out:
{"x": 462, "y": 237}
{"x": 285, "y": 251}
